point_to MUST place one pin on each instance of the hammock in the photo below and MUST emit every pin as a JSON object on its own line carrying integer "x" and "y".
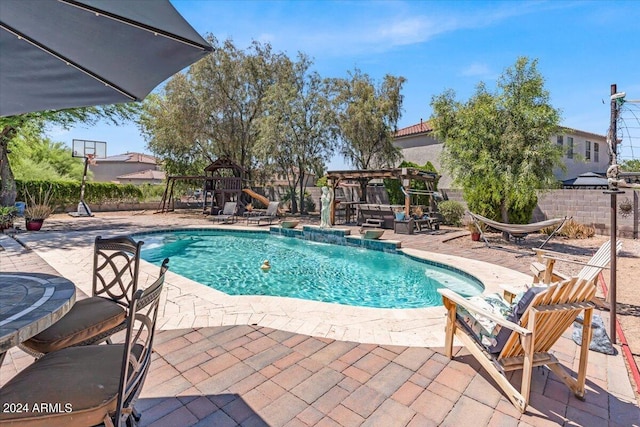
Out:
{"x": 518, "y": 231}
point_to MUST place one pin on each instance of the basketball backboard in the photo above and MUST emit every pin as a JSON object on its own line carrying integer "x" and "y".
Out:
{"x": 82, "y": 147}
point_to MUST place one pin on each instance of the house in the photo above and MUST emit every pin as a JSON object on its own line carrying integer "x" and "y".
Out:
{"x": 149, "y": 176}
{"x": 128, "y": 168}
{"x": 282, "y": 180}
{"x": 583, "y": 152}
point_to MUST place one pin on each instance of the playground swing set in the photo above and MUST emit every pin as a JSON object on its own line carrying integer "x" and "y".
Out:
{"x": 224, "y": 181}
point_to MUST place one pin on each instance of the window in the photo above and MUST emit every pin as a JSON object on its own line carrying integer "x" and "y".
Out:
{"x": 569, "y": 147}
{"x": 559, "y": 141}
{"x": 596, "y": 152}
{"x": 587, "y": 150}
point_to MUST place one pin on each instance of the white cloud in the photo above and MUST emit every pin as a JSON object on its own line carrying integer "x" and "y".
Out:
{"x": 386, "y": 26}
{"x": 266, "y": 38}
{"x": 476, "y": 69}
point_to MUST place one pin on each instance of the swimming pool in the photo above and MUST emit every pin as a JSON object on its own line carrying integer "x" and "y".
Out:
{"x": 230, "y": 262}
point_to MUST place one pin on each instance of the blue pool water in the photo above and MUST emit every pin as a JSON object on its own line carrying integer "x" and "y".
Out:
{"x": 230, "y": 262}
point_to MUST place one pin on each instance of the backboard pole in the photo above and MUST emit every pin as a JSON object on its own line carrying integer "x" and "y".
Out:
{"x": 89, "y": 151}
{"x": 83, "y": 208}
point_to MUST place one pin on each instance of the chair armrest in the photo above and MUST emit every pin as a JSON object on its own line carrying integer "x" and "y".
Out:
{"x": 570, "y": 261}
{"x": 510, "y": 291}
{"x": 547, "y": 254}
{"x": 463, "y": 302}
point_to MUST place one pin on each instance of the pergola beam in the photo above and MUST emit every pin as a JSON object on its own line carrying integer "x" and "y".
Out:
{"x": 405, "y": 175}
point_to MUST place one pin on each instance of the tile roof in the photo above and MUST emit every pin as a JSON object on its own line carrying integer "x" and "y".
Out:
{"x": 582, "y": 133}
{"x": 422, "y": 127}
{"x": 146, "y": 174}
{"x": 130, "y": 158}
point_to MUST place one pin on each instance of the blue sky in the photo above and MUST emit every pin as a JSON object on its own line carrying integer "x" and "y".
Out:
{"x": 582, "y": 47}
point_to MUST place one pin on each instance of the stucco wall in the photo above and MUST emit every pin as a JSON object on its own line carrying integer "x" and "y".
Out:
{"x": 579, "y": 164}
{"x": 421, "y": 148}
{"x": 110, "y": 171}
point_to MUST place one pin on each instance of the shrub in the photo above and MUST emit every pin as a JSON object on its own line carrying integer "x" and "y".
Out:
{"x": 452, "y": 211}
{"x": 309, "y": 203}
{"x": 572, "y": 230}
{"x": 64, "y": 193}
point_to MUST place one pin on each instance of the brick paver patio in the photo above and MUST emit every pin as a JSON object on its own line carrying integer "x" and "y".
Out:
{"x": 254, "y": 375}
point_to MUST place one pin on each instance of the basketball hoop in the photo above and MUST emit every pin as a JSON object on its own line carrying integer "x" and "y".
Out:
{"x": 91, "y": 159}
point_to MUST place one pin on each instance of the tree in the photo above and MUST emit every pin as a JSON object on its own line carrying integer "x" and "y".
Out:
{"x": 396, "y": 195}
{"x": 13, "y": 126}
{"x": 368, "y": 115}
{"x": 33, "y": 155}
{"x": 213, "y": 110}
{"x": 497, "y": 146}
{"x": 631, "y": 165}
{"x": 298, "y": 130}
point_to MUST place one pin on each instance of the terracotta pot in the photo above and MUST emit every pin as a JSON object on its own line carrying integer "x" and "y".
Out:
{"x": 475, "y": 237}
{"x": 33, "y": 224}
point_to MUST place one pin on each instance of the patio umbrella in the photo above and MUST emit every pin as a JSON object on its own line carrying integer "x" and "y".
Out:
{"x": 57, "y": 54}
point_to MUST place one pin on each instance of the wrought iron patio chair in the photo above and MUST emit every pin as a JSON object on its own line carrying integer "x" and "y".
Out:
{"x": 98, "y": 384}
{"x": 116, "y": 263}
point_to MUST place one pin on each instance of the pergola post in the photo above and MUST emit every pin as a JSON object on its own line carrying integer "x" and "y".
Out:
{"x": 406, "y": 183}
{"x": 332, "y": 207}
{"x": 405, "y": 175}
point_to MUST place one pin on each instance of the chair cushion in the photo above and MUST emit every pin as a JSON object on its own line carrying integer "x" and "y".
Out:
{"x": 483, "y": 329}
{"x": 522, "y": 302}
{"x": 87, "y": 318}
{"x": 82, "y": 380}
{"x": 486, "y": 332}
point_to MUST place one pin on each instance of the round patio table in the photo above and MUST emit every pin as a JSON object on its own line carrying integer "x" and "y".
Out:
{"x": 30, "y": 303}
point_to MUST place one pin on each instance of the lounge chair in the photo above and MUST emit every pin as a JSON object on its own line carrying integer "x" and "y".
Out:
{"x": 268, "y": 216}
{"x": 227, "y": 214}
{"x": 518, "y": 231}
{"x": 527, "y": 340}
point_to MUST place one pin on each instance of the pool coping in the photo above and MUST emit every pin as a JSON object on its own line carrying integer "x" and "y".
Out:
{"x": 189, "y": 304}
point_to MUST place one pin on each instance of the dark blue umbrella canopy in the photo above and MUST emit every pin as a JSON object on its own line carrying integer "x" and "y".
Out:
{"x": 57, "y": 54}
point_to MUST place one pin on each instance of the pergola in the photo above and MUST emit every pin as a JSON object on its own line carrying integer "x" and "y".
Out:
{"x": 405, "y": 175}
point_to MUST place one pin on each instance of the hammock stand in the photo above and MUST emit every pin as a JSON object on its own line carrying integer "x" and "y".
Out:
{"x": 517, "y": 231}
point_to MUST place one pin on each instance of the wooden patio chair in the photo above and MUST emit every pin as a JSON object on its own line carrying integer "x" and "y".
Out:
{"x": 543, "y": 268}
{"x": 529, "y": 339}
{"x": 543, "y": 271}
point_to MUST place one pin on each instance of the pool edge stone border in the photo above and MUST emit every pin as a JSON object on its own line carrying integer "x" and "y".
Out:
{"x": 189, "y": 304}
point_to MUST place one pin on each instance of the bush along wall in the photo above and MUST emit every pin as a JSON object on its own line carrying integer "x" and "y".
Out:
{"x": 65, "y": 193}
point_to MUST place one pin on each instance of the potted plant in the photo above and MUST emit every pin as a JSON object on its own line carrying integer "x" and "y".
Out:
{"x": 473, "y": 229}
{"x": 38, "y": 209}
{"x": 7, "y": 213}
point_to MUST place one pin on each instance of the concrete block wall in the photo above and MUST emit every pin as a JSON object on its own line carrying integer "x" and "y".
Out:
{"x": 590, "y": 207}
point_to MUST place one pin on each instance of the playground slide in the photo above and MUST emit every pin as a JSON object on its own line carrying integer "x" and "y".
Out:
{"x": 256, "y": 196}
